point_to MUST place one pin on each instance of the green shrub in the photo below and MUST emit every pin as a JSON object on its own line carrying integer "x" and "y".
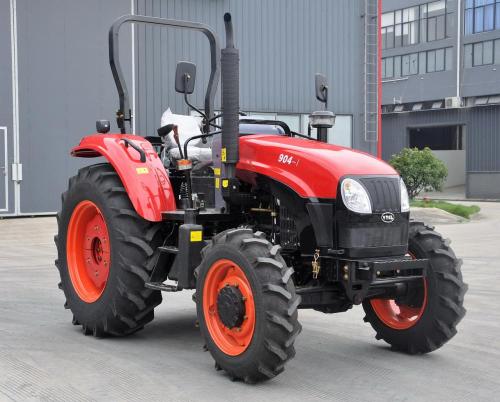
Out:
{"x": 420, "y": 170}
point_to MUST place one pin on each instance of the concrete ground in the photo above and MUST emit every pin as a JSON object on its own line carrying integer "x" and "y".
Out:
{"x": 44, "y": 357}
{"x": 449, "y": 193}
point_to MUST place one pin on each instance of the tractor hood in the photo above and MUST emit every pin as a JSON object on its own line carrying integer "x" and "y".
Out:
{"x": 311, "y": 168}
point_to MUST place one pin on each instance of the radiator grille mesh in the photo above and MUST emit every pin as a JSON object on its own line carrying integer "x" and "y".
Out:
{"x": 384, "y": 193}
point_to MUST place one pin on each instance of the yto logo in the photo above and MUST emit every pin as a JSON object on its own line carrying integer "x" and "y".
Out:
{"x": 387, "y": 217}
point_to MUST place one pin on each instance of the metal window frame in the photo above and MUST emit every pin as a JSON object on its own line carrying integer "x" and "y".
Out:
{"x": 426, "y": 52}
{"x": 493, "y": 52}
{"x": 474, "y": 7}
{"x": 418, "y": 22}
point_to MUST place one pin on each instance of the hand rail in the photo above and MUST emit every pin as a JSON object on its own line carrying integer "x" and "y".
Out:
{"x": 123, "y": 114}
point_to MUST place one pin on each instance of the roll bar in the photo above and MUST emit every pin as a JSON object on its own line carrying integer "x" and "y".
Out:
{"x": 124, "y": 114}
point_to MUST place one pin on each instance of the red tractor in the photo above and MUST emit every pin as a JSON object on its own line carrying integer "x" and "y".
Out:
{"x": 260, "y": 220}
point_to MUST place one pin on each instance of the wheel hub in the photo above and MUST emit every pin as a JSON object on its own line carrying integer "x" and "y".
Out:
{"x": 231, "y": 306}
{"x": 88, "y": 251}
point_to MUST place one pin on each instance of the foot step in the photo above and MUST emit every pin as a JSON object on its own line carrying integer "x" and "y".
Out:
{"x": 161, "y": 286}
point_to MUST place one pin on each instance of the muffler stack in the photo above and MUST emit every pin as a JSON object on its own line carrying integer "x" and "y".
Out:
{"x": 230, "y": 71}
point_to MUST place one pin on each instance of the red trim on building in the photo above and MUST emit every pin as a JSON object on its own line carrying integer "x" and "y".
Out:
{"x": 379, "y": 77}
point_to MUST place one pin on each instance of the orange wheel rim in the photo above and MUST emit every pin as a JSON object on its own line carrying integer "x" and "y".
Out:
{"x": 88, "y": 251}
{"x": 399, "y": 316}
{"x": 225, "y": 276}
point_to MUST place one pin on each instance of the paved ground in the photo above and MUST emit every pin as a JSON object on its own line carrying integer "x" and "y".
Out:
{"x": 44, "y": 357}
{"x": 450, "y": 193}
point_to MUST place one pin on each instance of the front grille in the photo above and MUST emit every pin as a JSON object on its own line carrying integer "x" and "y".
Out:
{"x": 373, "y": 235}
{"x": 384, "y": 193}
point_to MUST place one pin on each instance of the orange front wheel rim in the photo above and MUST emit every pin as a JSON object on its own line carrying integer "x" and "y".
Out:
{"x": 88, "y": 251}
{"x": 229, "y": 307}
{"x": 400, "y": 316}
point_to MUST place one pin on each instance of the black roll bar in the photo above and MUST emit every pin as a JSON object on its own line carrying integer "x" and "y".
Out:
{"x": 124, "y": 114}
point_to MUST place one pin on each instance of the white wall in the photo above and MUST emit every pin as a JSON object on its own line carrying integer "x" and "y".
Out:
{"x": 455, "y": 162}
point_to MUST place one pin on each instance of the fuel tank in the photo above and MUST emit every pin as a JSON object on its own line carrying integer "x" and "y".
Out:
{"x": 311, "y": 168}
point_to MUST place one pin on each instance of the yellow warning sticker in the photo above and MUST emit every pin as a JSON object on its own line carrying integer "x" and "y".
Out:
{"x": 217, "y": 171}
{"x": 223, "y": 155}
{"x": 196, "y": 235}
{"x": 142, "y": 170}
{"x": 217, "y": 182}
{"x": 225, "y": 183}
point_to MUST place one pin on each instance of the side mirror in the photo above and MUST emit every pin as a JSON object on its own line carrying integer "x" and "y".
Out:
{"x": 185, "y": 77}
{"x": 321, "y": 88}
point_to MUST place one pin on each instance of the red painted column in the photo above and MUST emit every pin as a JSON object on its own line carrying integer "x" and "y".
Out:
{"x": 379, "y": 78}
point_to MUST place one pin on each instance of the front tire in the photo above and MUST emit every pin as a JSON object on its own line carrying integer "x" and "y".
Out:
{"x": 428, "y": 319}
{"x": 246, "y": 305}
{"x": 105, "y": 255}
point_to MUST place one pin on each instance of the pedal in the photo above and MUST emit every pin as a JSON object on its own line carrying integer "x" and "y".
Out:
{"x": 168, "y": 249}
{"x": 161, "y": 286}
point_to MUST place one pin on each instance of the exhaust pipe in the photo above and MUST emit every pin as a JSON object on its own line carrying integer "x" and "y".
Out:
{"x": 230, "y": 72}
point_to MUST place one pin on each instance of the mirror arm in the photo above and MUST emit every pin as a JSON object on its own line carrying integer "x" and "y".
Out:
{"x": 194, "y": 108}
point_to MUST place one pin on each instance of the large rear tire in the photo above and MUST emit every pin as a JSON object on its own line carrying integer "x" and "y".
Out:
{"x": 247, "y": 306}
{"x": 428, "y": 317}
{"x": 105, "y": 255}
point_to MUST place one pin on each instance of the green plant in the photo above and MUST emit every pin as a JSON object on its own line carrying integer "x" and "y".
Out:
{"x": 421, "y": 170}
{"x": 464, "y": 211}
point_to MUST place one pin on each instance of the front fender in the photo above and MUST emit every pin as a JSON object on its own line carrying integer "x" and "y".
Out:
{"x": 147, "y": 183}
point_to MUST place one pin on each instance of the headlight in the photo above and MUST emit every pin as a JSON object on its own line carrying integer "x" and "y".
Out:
{"x": 405, "y": 200}
{"x": 355, "y": 197}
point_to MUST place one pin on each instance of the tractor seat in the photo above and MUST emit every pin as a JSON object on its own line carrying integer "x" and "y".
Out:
{"x": 188, "y": 126}
{"x": 195, "y": 153}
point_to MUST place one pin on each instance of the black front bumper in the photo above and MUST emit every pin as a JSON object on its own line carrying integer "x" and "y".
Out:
{"x": 380, "y": 277}
{"x": 359, "y": 279}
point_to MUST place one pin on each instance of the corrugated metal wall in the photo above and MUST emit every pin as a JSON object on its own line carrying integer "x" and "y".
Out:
{"x": 283, "y": 43}
{"x": 6, "y": 126}
{"x": 65, "y": 85}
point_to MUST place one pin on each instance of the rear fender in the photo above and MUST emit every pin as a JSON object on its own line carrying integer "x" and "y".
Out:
{"x": 147, "y": 183}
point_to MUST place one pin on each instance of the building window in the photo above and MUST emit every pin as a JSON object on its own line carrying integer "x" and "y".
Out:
{"x": 482, "y": 53}
{"x": 413, "y": 25}
{"x": 417, "y": 63}
{"x": 481, "y": 16}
